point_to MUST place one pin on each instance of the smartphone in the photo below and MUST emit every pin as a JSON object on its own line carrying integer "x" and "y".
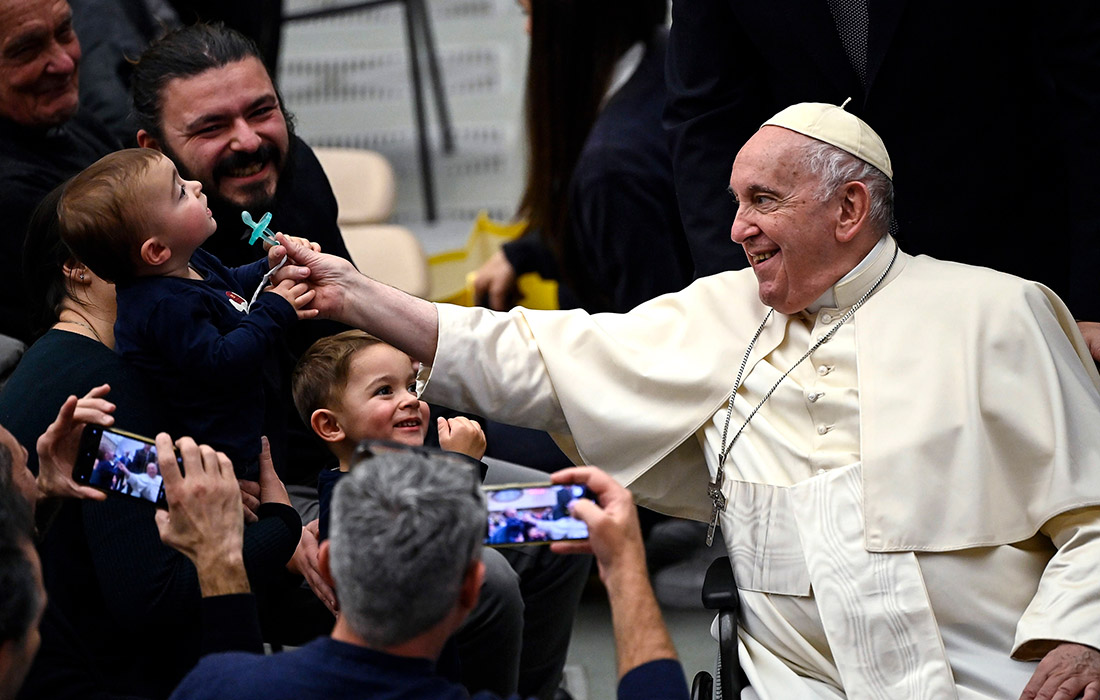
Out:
{"x": 522, "y": 514}
{"x": 120, "y": 462}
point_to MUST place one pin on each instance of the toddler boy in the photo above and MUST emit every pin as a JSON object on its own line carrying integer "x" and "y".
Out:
{"x": 351, "y": 387}
{"x": 182, "y": 316}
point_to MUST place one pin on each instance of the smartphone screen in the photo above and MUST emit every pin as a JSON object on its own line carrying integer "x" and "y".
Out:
{"x": 121, "y": 463}
{"x": 521, "y": 514}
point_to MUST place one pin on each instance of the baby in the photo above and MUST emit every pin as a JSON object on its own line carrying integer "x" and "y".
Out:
{"x": 182, "y": 316}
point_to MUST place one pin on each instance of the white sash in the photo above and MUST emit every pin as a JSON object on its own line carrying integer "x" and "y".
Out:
{"x": 874, "y": 607}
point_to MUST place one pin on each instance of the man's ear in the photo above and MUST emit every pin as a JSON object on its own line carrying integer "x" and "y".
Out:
{"x": 327, "y": 425}
{"x": 471, "y": 585}
{"x": 154, "y": 253}
{"x": 146, "y": 140}
{"x": 855, "y": 207}
{"x": 323, "y": 564}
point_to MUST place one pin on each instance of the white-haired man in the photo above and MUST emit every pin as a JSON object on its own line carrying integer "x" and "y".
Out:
{"x": 900, "y": 451}
{"x": 404, "y": 558}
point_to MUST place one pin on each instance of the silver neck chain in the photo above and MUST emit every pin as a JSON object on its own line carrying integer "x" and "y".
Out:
{"x": 725, "y": 448}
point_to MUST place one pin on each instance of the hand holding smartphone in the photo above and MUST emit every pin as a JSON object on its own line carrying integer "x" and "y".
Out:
{"x": 523, "y": 514}
{"x": 120, "y": 462}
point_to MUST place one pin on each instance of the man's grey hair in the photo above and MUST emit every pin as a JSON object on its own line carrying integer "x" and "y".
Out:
{"x": 405, "y": 529}
{"x": 835, "y": 167}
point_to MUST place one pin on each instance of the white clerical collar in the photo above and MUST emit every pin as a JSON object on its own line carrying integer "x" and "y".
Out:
{"x": 624, "y": 69}
{"x": 853, "y": 285}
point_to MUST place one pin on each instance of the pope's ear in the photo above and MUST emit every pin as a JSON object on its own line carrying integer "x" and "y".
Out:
{"x": 327, "y": 425}
{"x": 146, "y": 140}
{"x": 855, "y": 210}
{"x": 154, "y": 253}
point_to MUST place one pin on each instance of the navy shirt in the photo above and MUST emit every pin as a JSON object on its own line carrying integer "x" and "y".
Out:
{"x": 326, "y": 669}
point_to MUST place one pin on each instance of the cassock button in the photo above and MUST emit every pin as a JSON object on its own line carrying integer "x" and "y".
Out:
{"x": 822, "y": 429}
{"x": 824, "y": 369}
{"x": 814, "y": 396}
{"x": 826, "y": 318}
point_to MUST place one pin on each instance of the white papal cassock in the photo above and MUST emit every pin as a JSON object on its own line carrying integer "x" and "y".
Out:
{"x": 912, "y": 514}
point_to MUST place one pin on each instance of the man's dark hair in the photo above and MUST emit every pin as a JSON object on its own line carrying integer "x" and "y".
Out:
{"x": 183, "y": 53}
{"x": 18, "y": 587}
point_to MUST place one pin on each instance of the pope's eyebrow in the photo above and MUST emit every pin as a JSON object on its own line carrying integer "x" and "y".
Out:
{"x": 762, "y": 189}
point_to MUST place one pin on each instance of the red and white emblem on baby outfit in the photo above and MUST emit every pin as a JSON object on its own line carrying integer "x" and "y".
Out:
{"x": 238, "y": 303}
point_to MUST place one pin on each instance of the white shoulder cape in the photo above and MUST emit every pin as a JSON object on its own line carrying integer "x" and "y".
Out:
{"x": 979, "y": 403}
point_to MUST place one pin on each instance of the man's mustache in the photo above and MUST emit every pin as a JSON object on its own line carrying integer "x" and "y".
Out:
{"x": 237, "y": 161}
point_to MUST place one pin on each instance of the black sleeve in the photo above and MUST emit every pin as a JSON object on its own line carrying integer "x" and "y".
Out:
{"x": 708, "y": 87}
{"x": 231, "y": 623}
{"x": 147, "y": 583}
{"x": 312, "y": 193}
{"x": 629, "y": 243}
{"x": 1073, "y": 66}
{"x": 529, "y": 253}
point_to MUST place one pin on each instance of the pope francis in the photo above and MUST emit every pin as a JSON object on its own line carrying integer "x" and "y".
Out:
{"x": 902, "y": 454}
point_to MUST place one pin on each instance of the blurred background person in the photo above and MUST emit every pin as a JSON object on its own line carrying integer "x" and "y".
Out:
{"x": 599, "y": 199}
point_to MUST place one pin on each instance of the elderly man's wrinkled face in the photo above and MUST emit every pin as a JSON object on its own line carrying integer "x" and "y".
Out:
{"x": 224, "y": 127}
{"x": 39, "y": 55}
{"x": 787, "y": 232}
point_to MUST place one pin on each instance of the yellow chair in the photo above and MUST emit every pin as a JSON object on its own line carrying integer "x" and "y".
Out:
{"x": 452, "y": 272}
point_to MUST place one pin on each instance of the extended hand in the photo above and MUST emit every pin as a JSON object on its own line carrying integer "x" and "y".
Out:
{"x": 1068, "y": 671}
{"x": 275, "y": 253}
{"x": 327, "y": 275}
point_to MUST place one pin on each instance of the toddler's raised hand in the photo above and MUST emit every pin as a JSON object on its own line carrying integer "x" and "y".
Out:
{"x": 461, "y": 435}
{"x": 298, "y": 294}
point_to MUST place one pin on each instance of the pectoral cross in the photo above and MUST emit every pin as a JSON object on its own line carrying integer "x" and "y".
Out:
{"x": 718, "y": 501}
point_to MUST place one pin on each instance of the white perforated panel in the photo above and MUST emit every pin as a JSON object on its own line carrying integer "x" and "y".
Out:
{"x": 346, "y": 79}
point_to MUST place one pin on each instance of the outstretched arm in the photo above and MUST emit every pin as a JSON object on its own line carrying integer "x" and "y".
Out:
{"x": 344, "y": 294}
